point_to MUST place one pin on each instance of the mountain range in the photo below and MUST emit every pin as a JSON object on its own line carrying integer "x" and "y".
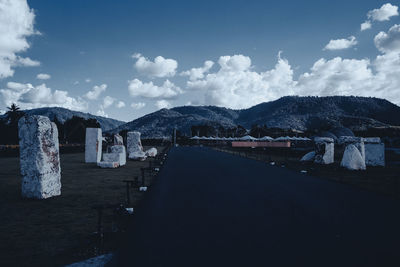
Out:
{"x": 63, "y": 114}
{"x": 291, "y": 112}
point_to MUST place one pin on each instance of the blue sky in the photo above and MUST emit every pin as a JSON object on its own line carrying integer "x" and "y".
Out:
{"x": 87, "y": 46}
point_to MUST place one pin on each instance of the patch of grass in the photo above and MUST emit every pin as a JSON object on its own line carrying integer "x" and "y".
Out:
{"x": 60, "y": 230}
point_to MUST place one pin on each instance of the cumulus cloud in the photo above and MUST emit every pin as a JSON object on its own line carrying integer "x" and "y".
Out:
{"x": 235, "y": 85}
{"x": 149, "y": 90}
{"x": 160, "y": 67}
{"x": 162, "y": 104}
{"x": 138, "y": 105}
{"x": 385, "y": 12}
{"x": 16, "y": 25}
{"x": 96, "y": 92}
{"x": 198, "y": 73}
{"x": 390, "y": 41}
{"x": 335, "y": 77}
{"x": 28, "y": 96}
{"x": 340, "y": 44}
{"x": 366, "y": 25}
{"x": 43, "y": 76}
{"x": 88, "y": 80}
{"x": 120, "y": 104}
{"x": 108, "y": 101}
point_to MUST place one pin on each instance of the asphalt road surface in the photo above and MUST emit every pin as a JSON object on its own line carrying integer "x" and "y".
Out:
{"x": 209, "y": 208}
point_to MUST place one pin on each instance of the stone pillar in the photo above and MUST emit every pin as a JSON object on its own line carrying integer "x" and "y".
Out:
{"x": 93, "y": 145}
{"x": 374, "y": 152}
{"x": 39, "y": 157}
{"x": 134, "y": 145}
{"x": 118, "y": 140}
{"x": 324, "y": 150}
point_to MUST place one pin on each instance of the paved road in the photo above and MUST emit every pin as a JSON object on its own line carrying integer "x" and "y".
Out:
{"x": 208, "y": 208}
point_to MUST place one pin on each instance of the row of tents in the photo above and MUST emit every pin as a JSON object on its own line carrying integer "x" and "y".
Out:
{"x": 251, "y": 138}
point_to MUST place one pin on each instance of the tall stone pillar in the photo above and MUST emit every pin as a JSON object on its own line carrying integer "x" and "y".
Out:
{"x": 93, "y": 145}
{"x": 39, "y": 157}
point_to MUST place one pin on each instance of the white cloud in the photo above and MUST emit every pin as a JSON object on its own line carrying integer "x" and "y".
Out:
{"x": 96, "y": 91}
{"x": 336, "y": 77}
{"x": 234, "y": 63}
{"x": 366, "y": 25}
{"x": 88, "y": 80}
{"x": 108, "y": 101}
{"x": 160, "y": 104}
{"x": 101, "y": 112}
{"x": 161, "y": 67}
{"x": 234, "y": 85}
{"x": 120, "y": 104}
{"x": 149, "y": 90}
{"x": 198, "y": 73}
{"x": 385, "y": 12}
{"x": 28, "y": 96}
{"x": 341, "y": 43}
{"x": 390, "y": 41}
{"x": 138, "y": 105}
{"x": 16, "y": 24}
{"x": 43, "y": 76}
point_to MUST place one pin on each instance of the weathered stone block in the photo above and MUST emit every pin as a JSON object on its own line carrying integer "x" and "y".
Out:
{"x": 93, "y": 145}
{"x": 118, "y": 154}
{"x": 352, "y": 158}
{"x": 324, "y": 150}
{"x": 108, "y": 165}
{"x": 152, "y": 152}
{"x": 39, "y": 157}
{"x": 134, "y": 145}
{"x": 374, "y": 152}
{"x": 358, "y": 142}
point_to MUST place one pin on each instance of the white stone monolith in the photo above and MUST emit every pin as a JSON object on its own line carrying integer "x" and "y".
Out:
{"x": 358, "y": 142}
{"x": 134, "y": 145}
{"x": 93, "y": 145}
{"x": 152, "y": 152}
{"x": 352, "y": 158}
{"x": 374, "y": 152}
{"x": 324, "y": 150}
{"x": 310, "y": 156}
{"x": 39, "y": 157}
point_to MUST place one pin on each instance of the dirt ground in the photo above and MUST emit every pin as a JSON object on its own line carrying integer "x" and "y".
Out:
{"x": 381, "y": 180}
{"x": 61, "y": 230}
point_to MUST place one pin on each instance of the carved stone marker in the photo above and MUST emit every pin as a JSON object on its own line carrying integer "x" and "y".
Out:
{"x": 324, "y": 150}
{"x": 374, "y": 152}
{"x": 134, "y": 145}
{"x": 39, "y": 157}
{"x": 93, "y": 145}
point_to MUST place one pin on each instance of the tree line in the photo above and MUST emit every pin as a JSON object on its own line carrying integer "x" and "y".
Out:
{"x": 72, "y": 131}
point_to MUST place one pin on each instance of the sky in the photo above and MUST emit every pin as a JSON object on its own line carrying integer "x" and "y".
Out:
{"x": 125, "y": 59}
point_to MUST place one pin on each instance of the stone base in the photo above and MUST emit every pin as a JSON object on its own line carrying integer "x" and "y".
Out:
{"x": 137, "y": 156}
{"x": 108, "y": 165}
